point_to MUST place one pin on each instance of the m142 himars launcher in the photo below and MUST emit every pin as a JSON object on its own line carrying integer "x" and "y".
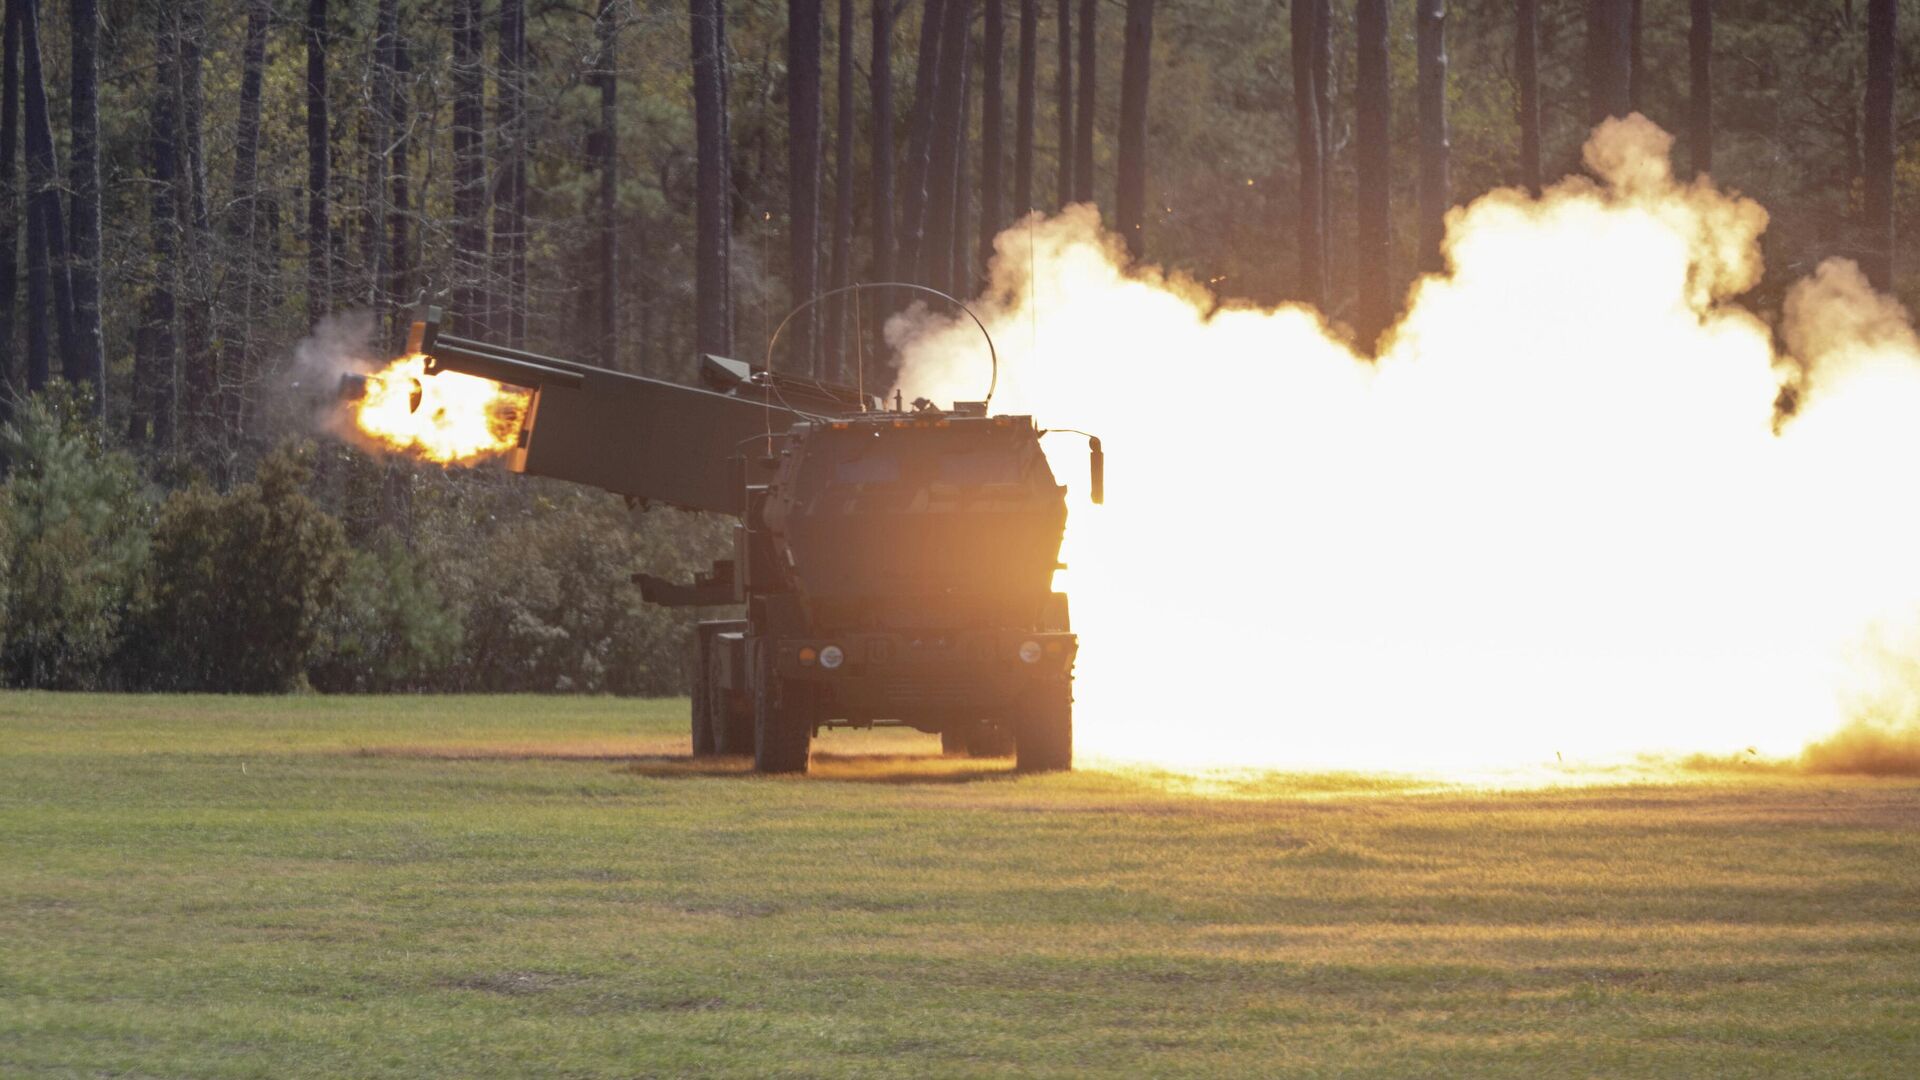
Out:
{"x": 895, "y": 565}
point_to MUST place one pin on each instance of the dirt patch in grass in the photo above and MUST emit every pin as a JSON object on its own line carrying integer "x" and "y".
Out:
{"x": 582, "y": 750}
{"x": 512, "y": 983}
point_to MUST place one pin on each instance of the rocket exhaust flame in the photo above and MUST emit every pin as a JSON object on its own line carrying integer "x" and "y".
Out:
{"x": 450, "y": 417}
{"x": 1559, "y": 517}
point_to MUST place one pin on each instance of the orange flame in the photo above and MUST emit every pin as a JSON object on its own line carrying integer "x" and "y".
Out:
{"x": 460, "y": 418}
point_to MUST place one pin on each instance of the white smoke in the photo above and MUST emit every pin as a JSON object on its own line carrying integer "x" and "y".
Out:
{"x": 1555, "y": 517}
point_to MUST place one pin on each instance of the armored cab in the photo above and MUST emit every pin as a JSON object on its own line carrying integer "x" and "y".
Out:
{"x": 895, "y": 567}
{"x": 910, "y": 581}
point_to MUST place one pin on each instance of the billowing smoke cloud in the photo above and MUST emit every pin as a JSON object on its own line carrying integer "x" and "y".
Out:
{"x": 1565, "y": 513}
{"x": 308, "y": 398}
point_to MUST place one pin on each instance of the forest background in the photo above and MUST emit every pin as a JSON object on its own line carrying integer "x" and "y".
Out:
{"x": 194, "y": 194}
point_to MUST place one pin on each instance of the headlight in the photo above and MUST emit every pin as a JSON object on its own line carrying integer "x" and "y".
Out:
{"x": 831, "y": 657}
{"x": 1030, "y": 652}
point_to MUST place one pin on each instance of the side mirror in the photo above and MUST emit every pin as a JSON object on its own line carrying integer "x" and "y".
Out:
{"x": 1097, "y": 464}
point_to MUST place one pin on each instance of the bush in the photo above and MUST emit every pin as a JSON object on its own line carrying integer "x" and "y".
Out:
{"x": 76, "y": 525}
{"x": 242, "y": 584}
{"x": 548, "y": 605}
{"x": 391, "y": 629}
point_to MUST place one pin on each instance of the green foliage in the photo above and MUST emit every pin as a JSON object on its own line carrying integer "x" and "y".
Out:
{"x": 241, "y": 584}
{"x": 76, "y": 525}
{"x": 548, "y": 604}
{"x": 390, "y": 629}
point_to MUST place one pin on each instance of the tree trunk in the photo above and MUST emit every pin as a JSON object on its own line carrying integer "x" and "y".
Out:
{"x": 725, "y": 54}
{"x": 1373, "y": 108}
{"x": 803, "y": 180}
{"x": 949, "y": 124}
{"x": 1878, "y": 151}
{"x": 199, "y": 365}
{"x": 1063, "y": 93}
{"x": 1136, "y": 64}
{"x": 881, "y": 92}
{"x": 1304, "y": 14}
{"x": 1636, "y": 75}
{"x": 319, "y": 147}
{"x": 10, "y": 383}
{"x": 926, "y": 89}
{"x": 960, "y": 270}
{"x": 46, "y": 254}
{"x": 992, "y": 111}
{"x": 713, "y": 325}
{"x": 1700, "y": 104}
{"x": 151, "y": 418}
{"x": 471, "y": 302}
{"x": 88, "y": 355}
{"x": 1323, "y": 112}
{"x": 840, "y": 264}
{"x": 606, "y": 34}
{"x": 1083, "y": 116}
{"x": 1436, "y": 184}
{"x": 244, "y": 259}
{"x": 1526, "y": 71}
{"x": 376, "y": 135}
{"x": 1023, "y": 108}
{"x": 399, "y": 141}
{"x": 1609, "y": 59}
{"x": 509, "y": 318}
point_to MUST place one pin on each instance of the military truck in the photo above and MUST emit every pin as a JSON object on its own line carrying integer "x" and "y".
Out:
{"x": 894, "y": 564}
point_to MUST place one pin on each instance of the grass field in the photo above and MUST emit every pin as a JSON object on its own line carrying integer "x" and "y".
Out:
{"x": 329, "y": 887}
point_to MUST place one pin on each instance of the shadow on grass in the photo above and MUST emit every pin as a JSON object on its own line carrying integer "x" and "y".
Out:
{"x": 877, "y": 768}
{"x": 664, "y": 760}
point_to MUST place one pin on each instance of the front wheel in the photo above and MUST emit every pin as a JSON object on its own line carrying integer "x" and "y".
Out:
{"x": 782, "y": 720}
{"x": 1043, "y": 729}
{"x": 704, "y": 693}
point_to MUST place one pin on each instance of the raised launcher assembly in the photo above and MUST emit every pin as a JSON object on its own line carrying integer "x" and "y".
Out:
{"x": 895, "y": 566}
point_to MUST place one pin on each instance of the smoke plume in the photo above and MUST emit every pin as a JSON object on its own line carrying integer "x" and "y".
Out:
{"x": 1583, "y": 505}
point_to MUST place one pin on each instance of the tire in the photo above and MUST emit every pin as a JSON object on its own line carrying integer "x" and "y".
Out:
{"x": 782, "y": 720}
{"x": 703, "y": 701}
{"x": 1043, "y": 730}
{"x": 954, "y": 742}
{"x": 991, "y": 740}
{"x": 732, "y": 723}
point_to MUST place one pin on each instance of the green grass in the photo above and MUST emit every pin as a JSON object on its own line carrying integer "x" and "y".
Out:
{"x": 335, "y": 887}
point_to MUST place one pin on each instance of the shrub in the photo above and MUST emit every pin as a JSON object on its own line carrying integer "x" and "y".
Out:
{"x": 76, "y": 524}
{"x": 241, "y": 584}
{"x": 547, "y": 603}
{"x": 390, "y": 630}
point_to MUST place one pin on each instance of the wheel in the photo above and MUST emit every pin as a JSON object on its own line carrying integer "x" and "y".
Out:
{"x": 1043, "y": 728}
{"x": 732, "y": 717}
{"x": 990, "y": 740}
{"x": 978, "y": 739}
{"x": 782, "y": 719}
{"x": 954, "y": 741}
{"x": 703, "y": 701}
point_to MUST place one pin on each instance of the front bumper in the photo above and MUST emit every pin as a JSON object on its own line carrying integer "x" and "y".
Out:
{"x": 931, "y": 676}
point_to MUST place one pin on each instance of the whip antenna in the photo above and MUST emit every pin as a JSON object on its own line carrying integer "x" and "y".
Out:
{"x": 993, "y": 354}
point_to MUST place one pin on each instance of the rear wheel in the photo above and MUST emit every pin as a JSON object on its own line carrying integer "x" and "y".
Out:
{"x": 732, "y": 711}
{"x": 954, "y": 741}
{"x": 782, "y": 718}
{"x": 1043, "y": 728}
{"x": 990, "y": 740}
{"x": 704, "y": 693}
